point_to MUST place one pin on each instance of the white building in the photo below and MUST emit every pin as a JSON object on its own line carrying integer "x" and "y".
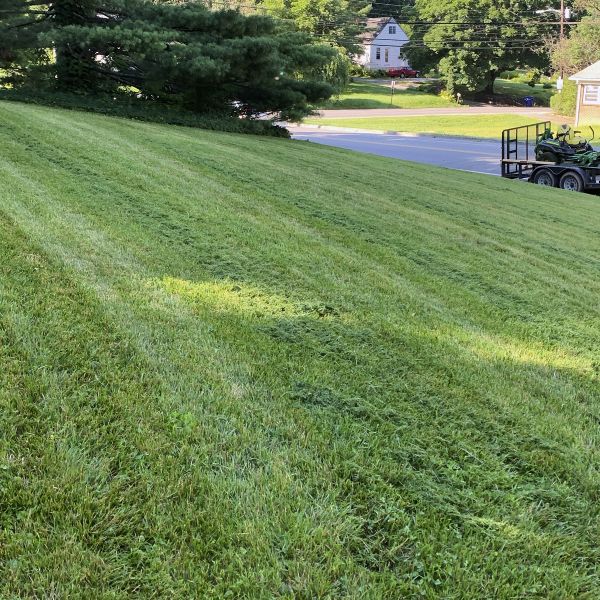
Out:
{"x": 382, "y": 44}
{"x": 588, "y": 95}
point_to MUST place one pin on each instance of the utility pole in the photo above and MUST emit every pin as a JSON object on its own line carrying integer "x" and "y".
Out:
{"x": 565, "y": 15}
{"x": 562, "y": 33}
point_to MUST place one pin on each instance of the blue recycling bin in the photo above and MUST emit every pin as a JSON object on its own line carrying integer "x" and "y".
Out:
{"x": 528, "y": 101}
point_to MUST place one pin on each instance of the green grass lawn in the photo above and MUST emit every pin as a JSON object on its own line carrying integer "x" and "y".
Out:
{"x": 480, "y": 126}
{"x": 255, "y": 368}
{"x": 518, "y": 89}
{"x": 361, "y": 94}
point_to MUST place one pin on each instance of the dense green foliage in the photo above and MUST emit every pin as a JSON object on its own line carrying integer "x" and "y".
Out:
{"x": 565, "y": 103}
{"x": 339, "y": 22}
{"x": 575, "y": 52}
{"x": 175, "y": 52}
{"x": 216, "y": 382}
{"x": 141, "y": 110}
{"x": 398, "y": 9}
{"x": 581, "y": 47}
{"x": 471, "y": 42}
{"x": 334, "y": 21}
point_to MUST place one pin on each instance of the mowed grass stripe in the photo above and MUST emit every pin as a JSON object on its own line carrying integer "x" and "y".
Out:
{"x": 258, "y": 164}
{"x": 422, "y": 282}
{"x": 568, "y": 269}
{"x": 217, "y": 433}
{"x": 344, "y": 403}
{"x": 566, "y": 273}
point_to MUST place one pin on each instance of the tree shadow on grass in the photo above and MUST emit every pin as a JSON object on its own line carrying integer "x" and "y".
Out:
{"x": 462, "y": 356}
{"x": 422, "y": 437}
{"x": 517, "y": 405}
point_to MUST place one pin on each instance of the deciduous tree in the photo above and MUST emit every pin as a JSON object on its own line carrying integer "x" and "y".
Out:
{"x": 472, "y": 41}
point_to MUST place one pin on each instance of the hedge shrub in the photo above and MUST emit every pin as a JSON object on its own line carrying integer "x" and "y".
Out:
{"x": 133, "y": 108}
{"x": 565, "y": 102}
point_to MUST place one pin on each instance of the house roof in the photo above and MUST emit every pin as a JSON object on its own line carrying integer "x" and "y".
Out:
{"x": 374, "y": 26}
{"x": 591, "y": 73}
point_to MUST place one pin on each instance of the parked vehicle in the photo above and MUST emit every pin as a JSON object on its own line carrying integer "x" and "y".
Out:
{"x": 575, "y": 169}
{"x": 402, "y": 72}
{"x": 557, "y": 147}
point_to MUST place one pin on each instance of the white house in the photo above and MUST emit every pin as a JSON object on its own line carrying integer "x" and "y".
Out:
{"x": 382, "y": 44}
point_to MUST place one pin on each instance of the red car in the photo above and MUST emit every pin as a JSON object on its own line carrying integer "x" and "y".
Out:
{"x": 402, "y": 72}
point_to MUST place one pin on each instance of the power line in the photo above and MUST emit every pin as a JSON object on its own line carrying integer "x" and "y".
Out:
{"x": 399, "y": 20}
{"x": 234, "y": 4}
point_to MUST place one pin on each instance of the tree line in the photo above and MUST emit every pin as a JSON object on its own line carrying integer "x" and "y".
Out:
{"x": 250, "y": 57}
{"x": 177, "y": 52}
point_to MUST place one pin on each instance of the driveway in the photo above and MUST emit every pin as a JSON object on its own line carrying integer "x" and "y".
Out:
{"x": 481, "y": 156}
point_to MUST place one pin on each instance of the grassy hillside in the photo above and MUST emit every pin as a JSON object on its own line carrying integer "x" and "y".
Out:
{"x": 255, "y": 368}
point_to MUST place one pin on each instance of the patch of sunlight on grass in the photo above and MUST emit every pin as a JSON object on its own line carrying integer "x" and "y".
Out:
{"x": 507, "y": 530}
{"x": 491, "y": 347}
{"x": 240, "y": 298}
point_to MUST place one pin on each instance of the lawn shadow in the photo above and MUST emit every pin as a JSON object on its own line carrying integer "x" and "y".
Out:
{"x": 324, "y": 356}
{"x": 426, "y": 419}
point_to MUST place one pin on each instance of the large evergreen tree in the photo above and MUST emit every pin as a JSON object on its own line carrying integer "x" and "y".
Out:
{"x": 174, "y": 51}
{"x": 19, "y": 50}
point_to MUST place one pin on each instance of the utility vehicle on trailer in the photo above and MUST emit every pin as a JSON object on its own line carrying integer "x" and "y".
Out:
{"x": 533, "y": 153}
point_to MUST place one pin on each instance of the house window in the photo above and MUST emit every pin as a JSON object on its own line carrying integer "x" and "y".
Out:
{"x": 591, "y": 94}
{"x": 387, "y": 55}
{"x": 392, "y": 29}
{"x": 378, "y": 53}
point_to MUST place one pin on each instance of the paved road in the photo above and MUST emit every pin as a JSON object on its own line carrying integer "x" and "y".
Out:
{"x": 481, "y": 156}
{"x": 536, "y": 112}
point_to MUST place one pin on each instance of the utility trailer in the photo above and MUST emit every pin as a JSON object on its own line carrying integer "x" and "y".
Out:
{"x": 519, "y": 162}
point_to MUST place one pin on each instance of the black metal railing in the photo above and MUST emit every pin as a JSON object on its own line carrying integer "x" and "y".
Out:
{"x": 518, "y": 147}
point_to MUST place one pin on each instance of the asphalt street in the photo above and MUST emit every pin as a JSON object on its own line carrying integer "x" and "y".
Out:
{"x": 481, "y": 156}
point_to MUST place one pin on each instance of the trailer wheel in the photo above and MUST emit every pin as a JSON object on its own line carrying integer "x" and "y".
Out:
{"x": 544, "y": 177}
{"x": 571, "y": 182}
